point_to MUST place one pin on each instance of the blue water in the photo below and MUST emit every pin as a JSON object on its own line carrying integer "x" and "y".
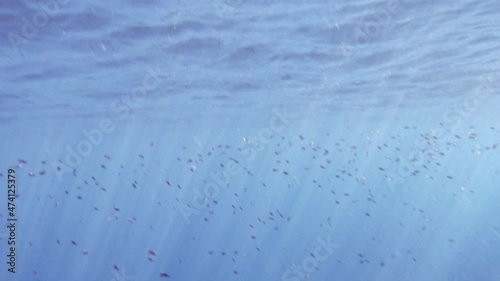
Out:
{"x": 250, "y": 140}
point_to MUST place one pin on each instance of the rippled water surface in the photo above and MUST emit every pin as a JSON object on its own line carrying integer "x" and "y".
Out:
{"x": 250, "y": 140}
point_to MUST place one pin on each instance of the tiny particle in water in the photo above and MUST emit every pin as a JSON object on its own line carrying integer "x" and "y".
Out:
{"x": 164, "y": 275}
{"x": 151, "y": 252}
{"x": 73, "y": 242}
